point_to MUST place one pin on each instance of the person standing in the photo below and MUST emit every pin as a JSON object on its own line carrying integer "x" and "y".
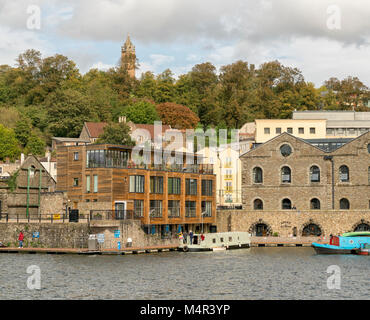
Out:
{"x": 20, "y": 239}
{"x": 185, "y": 237}
{"x": 191, "y": 236}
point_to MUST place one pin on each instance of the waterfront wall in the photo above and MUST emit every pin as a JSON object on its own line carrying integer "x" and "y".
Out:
{"x": 284, "y": 222}
{"x": 69, "y": 235}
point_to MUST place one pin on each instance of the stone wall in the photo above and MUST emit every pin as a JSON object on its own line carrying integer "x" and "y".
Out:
{"x": 68, "y": 235}
{"x": 283, "y": 222}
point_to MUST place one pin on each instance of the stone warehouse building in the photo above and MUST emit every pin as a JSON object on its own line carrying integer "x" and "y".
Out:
{"x": 294, "y": 188}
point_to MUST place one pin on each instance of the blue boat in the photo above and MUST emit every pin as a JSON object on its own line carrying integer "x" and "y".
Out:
{"x": 347, "y": 243}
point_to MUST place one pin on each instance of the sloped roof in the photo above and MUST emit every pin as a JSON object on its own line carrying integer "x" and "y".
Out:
{"x": 95, "y": 129}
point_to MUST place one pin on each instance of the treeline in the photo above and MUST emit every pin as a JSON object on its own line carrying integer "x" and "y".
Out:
{"x": 45, "y": 97}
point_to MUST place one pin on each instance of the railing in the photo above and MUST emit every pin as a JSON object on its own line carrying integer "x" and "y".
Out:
{"x": 41, "y": 218}
{"x": 231, "y": 207}
{"x": 113, "y": 215}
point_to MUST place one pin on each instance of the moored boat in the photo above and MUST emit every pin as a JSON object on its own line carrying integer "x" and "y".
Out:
{"x": 216, "y": 241}
{"x": 364, "y": 250}
{"x": 347, "y": 243}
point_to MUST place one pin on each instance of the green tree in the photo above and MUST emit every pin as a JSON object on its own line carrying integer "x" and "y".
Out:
{"x": 142, "y": 112}
{"x": 116, "y": 133}
{"x": 22, "y": 130}
{"x": 35, "y": 145}
{"x": 8, "y": 144}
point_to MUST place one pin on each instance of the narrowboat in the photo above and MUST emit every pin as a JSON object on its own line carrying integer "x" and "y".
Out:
{"x": 216, "y": 241}
{"x": 347, "y": 243}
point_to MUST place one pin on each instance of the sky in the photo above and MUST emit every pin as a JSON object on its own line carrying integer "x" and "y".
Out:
{"x": 321, "y": 38}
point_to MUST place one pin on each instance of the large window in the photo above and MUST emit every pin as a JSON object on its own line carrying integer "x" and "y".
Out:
{"x": 106, "y": 159}
{"x": 137, "y": 184}
{"x": 315, "y": 204}
{"x": 286, "y": 204}
{"x": 286, "y": 175}
{"x": 156, "y": 185}
{"x": 191, "y": 187}
{"x": 257, "y": 175}
{"x": 190, "y": 209}
{"x": 139, "y": 208}
{"x": 173, "y": 208}
{"x": 174, "y": 186}
{"x": 258, "y": 204}
{"x": 344, "y": 204}
{"x": 156, "y": 208}
{"x": 207, "y": 208}
{"x": 207, "y": 187}
{"x": 343, "y": 174}
{"x": 315, "y": 174}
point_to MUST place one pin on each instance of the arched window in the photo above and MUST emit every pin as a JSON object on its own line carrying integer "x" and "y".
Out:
{"x": 315, "y": 174}
{"x": 315, "y": 204}
{"x": 257, "y": 175}
{"x": 258, "y": 204}
{"x": 286, "y": 176}
{"x": 343, "y": 174}
{"x": 344, "y": 204}
{"x": 286, "y": 204}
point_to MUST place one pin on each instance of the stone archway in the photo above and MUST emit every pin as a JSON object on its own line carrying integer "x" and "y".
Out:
{"x": 363, "y": 225}
{"x": 260, "y": 229}
{"x": 311, "y": 229}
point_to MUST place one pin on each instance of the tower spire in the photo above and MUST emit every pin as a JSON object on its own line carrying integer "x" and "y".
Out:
{"x": 128, "y": 57}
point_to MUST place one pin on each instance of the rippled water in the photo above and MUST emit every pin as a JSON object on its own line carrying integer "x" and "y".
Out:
{"x": 256, "y": 273}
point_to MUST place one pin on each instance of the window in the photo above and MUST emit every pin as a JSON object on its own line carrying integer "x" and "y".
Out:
{"x": 278, "y": 130}
{"x": 190, "y": 209}
{"x": 315, "y": 204}
{"x": 315, "y": 174}
{"x": 75, "y": 182}
{"x": 95, "y": 183}
{"x": 139, "y": 208}
{"x": 286, "y": 176}
{"x": 156, "y": 208}
{"x": 257, "y": 175}
{"x": 368, "y": 149}
{"x": 156, "y": 185}
{"x": 258, "y": 204}
{"x": 285, "y": 150}
{"x": 343, "y": 174}
{"x": 174, "y": 186}
{"x": 207, "y": 188}
{"x": 191, "y": 187}
{"x": 313, "y": 130}
{"x": 174, "y": 208}
{"x": 286, "y": 204}
{"x": 207, "y": 208}
{"x": 301, "y": 130}
{"x": 344, "y": 204}
{"x": 88, "y": 183}
{"x": 1, "y": 170}
{"x": 267, "y": 130}
{"x": 229, "y": 186}
{"x": 329, "y": 131}
{"x": 290, "y": 130}
{"x": 137, "y": 184}
{"x": 368, "y": 175}
{"x": 75, "y": 156}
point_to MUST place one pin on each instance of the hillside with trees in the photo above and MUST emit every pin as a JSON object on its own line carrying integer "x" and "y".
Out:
{"x": 45, "y": 97}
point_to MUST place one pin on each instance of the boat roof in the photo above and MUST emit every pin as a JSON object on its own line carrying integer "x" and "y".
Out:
{"x": 357, "y": 234}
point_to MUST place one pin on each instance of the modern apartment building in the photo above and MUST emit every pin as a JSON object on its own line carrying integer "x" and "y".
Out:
{"x": 103, "y": 180}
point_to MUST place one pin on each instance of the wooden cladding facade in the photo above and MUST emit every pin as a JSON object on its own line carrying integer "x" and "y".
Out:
{"x": 113, "y": 185}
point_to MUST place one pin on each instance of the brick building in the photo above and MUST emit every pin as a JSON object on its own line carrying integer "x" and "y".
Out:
{"x": 292, "y": 187}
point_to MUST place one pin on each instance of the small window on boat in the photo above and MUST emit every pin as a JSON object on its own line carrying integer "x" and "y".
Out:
{"x": 222, "y": 239}
{"x": 230, "y": 239}
{"x": 214, "y": 240}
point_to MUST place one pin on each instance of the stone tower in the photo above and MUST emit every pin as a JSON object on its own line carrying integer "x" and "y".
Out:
{"x": 128, "y": 58}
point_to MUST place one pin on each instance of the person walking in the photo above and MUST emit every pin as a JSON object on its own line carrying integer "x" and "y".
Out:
{"x": 191, "y": 236}
{"x": 20, "y": 239}
{"x": 185, "y": 237}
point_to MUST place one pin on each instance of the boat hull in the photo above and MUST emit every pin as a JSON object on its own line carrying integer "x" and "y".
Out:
{"x": 233, "y": 247}
{"x": 329, "y": 249}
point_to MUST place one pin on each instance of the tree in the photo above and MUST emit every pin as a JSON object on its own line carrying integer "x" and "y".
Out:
{"x": 116, "y": 133}
{"x": 35, "y": 145}
{"x": 22, "y": 130}
{"x": 142, "y": 112}
{"x": 177, "y": 116}
{"x": 8, "y": 144}
{"x": 67, "y": 112}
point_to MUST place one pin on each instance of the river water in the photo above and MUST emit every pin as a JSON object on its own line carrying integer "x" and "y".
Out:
{"x": 256, "y": 273}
